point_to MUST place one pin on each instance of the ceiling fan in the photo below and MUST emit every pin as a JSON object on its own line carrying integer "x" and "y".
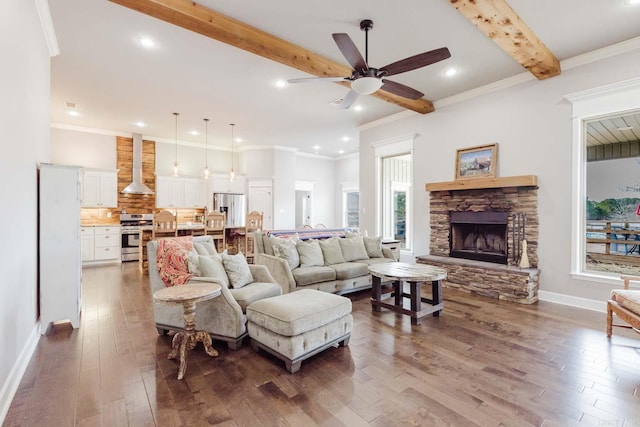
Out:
{"x": 365, "y": 80}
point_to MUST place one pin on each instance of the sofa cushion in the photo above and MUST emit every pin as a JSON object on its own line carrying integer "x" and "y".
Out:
{"x": 627, "y": 298}
{"x": 331, "y": 251}
{"x": 373, "y": 245}
{"x": 205, "y": 248}
{"x": 237, "y": 270}
{"x": 212, "y": 267}
{"x": 372, "y": 261}
{"x": 310, "y": 275}
{"x": 298, "y": 312}
{"x": 353, "y": 248}
{"x": 310, "y": 253}
{"x": 349, "y": 270}
{"x": 255, "y": 291}
{"x": 268, "y": 245}
{"x": 286, "y": 249}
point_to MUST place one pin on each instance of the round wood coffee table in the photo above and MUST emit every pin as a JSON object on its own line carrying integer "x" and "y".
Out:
{"x": 415, "y": 274}
{"x": 188, "y": 296}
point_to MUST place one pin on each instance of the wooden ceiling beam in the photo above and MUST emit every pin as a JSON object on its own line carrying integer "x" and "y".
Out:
{"x": 202, "y": 20}
{"x": 501, "y": 23}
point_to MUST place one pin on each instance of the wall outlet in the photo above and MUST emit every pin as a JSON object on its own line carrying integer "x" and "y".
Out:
{"x": 108, "y": 214}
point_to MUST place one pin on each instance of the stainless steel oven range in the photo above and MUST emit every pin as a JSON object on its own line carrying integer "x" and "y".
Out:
{"x": 131, "y": 224}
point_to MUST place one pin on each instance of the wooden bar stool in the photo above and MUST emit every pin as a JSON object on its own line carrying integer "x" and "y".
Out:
{"x": 165, "y": 224}
{"x": 214, "y": 226}
{"x": 253, "y": 224}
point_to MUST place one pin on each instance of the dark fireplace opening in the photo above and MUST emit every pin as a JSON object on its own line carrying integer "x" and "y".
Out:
{"x": 480, "y": 236}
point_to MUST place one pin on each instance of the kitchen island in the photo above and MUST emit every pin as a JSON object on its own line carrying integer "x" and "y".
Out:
{"x": 146, "y": 232}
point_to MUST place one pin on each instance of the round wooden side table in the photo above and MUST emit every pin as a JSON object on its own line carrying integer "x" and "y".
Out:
{"x": 188, "y": 296}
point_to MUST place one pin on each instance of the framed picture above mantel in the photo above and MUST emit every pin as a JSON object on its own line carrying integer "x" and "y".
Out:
{"x": 477, "y": 162}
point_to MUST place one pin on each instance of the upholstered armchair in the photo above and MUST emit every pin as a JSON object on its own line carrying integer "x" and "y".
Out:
{"x": 625, "y": 303}
{"x": 222, "y": 317}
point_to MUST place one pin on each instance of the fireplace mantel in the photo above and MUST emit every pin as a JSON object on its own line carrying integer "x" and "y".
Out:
{"x": 482, "y": 183}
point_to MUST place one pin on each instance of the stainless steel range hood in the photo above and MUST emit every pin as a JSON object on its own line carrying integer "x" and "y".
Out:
{"x": 137, "y": 187}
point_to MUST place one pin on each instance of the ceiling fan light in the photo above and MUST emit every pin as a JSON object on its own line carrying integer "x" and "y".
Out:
{"x": 366, "y": 85}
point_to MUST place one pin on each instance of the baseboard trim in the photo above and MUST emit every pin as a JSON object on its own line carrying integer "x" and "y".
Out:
{"x": 10, "y": 386}
{"x": 587, "y": 304}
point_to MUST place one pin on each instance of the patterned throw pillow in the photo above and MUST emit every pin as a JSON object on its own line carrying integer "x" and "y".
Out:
{"x": 286, "y": 249}
{"x": 373, "y": 245}
{"x": 310, "y": 253}
{"x": 211, "y": 266}
{"x": 237, "y": 270}
{"x": 331, "y": 251}
{"x": 353, "y": 249}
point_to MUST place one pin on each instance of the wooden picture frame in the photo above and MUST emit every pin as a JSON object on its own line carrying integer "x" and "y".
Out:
{"x": 477, "y": 162}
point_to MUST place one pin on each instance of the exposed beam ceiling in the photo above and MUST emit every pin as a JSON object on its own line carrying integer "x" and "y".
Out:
{"x": 194, "y": 17}
{"x": 502, "y": 24}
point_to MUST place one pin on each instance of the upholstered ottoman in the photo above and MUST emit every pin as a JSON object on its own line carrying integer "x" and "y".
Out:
{"x": 300, "y": 324}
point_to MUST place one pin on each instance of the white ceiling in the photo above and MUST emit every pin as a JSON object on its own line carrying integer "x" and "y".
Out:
{"x": 116, "y": 83}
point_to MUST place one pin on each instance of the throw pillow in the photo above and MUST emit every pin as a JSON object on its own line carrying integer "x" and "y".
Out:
{"x": 373, "y": 245}
{"x": 268, "y": 245}
{"x": 310, "y": 253}
{"x": 205, "y": 248}
{"x": 237, "y": 270}
{"x": 353, "y": 249}
{"x": 212, "y": 267}
{"x": 350, "y": 234}
{"x": 331, "y": 251}
{"x": 286, "y": 249}
{"x": 193, "y": 263}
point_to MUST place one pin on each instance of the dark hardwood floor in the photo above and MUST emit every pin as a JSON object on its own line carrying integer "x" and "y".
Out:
{"x": 483, "y": 363}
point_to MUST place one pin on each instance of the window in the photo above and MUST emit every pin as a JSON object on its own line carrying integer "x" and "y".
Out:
{"x": 396, "y": 194}
{"x": 613, "y": 232}
{"x": 351, "y": 208}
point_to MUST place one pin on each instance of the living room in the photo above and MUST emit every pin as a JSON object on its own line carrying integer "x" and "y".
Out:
{"x": 532, "y": 121}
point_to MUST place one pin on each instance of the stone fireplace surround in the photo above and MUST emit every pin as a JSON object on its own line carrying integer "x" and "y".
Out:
{"x": 512, "y": 195}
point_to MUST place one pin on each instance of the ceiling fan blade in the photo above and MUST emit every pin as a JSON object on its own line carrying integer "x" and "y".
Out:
{"x": 416, "y": 61}
{"x": 348, "y": 100}
{"x": 317, "y": 79}
{"x": 401, "y": 90}
{"x": 350, "y": 51}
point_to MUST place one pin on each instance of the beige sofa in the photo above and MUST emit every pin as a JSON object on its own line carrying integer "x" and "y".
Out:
{"x": 224, "y": 316}
{"x": 339, "y": 278}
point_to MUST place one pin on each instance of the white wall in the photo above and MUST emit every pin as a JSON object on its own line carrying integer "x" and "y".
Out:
{"x": 24, "y": 120}
{"x": 191, "y": 159}
{"x": 284, "y": 189}
{"x": 532, "y": 124}
{"x": 90, "y": 150}
{"x": 347, "y": 171}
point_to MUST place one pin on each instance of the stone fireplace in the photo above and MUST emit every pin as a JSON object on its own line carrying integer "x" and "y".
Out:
{"x": 477, "y": 230}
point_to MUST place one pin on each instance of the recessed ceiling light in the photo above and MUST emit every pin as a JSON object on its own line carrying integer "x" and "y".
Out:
{"x": 341, "y": 152}
{"x": 147, "y": 42}
{"x": 239, "y": 140}
{"x": 632, "y": 2}
{"x": 345, "y": 139}
{"x": 358, "y": 108}
{"x": 316, "y": 147}
{"x": 194, "y": 132}
{"x": 280, "y": 83}
{"x": 625, "y": 128}
{"x": 450, "y": 72}
{"x": 73, "y": 113}
{"x": 141, "y": 124}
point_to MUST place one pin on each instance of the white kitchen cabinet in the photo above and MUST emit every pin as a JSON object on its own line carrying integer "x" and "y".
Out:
{"x": 86, "y": 237}
{"x": 100, "y": 243}
{"x": 180, "y": 192}
{"x": 100, "y": 189}
{"x": 195, "y": 193}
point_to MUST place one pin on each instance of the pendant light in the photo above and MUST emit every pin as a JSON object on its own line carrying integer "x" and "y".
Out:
{"x": 232, "y": 173}
{"x": 175, "y": 163}
{"x": 206, "y": 172}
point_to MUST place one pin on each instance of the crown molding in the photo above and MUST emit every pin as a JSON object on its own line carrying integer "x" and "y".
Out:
{"x": 48, "y": 30}
{"x": 315, "y": 156}
{"x": 567, "y": 64}
{"x": 395, "y": 139}
{"x": 355, "y": 155}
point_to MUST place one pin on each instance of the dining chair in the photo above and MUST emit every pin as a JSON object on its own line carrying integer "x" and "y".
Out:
{"x": 625, "y": 303}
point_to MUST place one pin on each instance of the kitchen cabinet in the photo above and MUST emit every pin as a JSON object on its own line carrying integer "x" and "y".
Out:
{"x": 101, "y": 243}
{"x": 180, "y": 192}
{"x": 100, "y": 189}
{"x": 86, "y": 238}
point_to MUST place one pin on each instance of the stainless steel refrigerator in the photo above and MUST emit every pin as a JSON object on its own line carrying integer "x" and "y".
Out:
{"x": 234, "y": 205}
